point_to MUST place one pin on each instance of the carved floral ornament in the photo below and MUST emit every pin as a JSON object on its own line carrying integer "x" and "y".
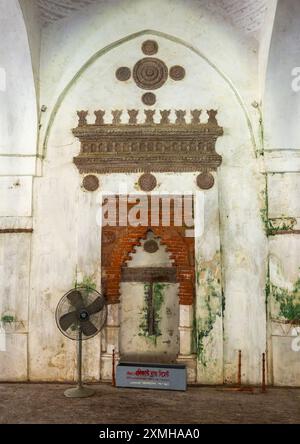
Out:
{"x": 150, "y": 47}
{"x": 90, "y": 182}
{"x": 147, "y": 182}
{"x": 150, "y": 73}
{"x": 120, "y": 147}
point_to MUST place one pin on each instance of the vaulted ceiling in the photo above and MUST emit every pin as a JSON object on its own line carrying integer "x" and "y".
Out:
{"x": 53, "y": 10}
{"x": 247, "y": 15}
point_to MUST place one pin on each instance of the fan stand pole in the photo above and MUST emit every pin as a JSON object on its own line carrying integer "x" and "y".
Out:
{"x": 79, "y": 360}
{"x": 80, "y": 391}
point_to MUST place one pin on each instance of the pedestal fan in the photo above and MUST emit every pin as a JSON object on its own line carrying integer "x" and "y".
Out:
{"x": 80, "y": 314}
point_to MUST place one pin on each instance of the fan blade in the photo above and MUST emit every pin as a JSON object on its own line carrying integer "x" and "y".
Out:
{"x": 95, "y": 306}
{"x": 75, "y": 299}
{"x": 67, "y": 320}
{"x": 88, "y": 329}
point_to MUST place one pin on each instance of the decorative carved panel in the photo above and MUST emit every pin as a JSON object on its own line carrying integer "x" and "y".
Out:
{"x": 150, "y": 47}
{"x": 150, "y": 246}
{"x": 148, "y": 99}
{"x": 123, "y": 73}
{"x": 90, "y": 182}
{"x": 147, "y": 182}
{"x": 150, "y": 73}
{"x": 150, "y": 147}
{"x": 177, "y": 72}
{"x": 205, "y": 181}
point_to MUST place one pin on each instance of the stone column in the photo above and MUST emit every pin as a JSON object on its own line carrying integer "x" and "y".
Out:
{"x": 110, "y": 341}
{"x": 186, "y": 314}
{"x": 208, "y": 304}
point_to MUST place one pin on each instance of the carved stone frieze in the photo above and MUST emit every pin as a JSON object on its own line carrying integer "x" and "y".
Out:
{"x": 99, "y": 117}
{"x": 195, "y": 113}
{"x": 165, "y": 116}
{"x": 180, "y": 116}
{"x": 149, "y": 146}
{"x": 116, "y": 116}
{"x": 149, "y": 113}
{"x": 82, "y": 117}
{"x": 133, "y": 113}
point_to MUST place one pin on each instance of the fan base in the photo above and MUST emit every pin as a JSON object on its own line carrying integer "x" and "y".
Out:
{"x": 79, "y": 392}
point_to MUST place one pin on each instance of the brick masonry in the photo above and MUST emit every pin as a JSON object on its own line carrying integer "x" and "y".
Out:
{"x": 119, "y": 241}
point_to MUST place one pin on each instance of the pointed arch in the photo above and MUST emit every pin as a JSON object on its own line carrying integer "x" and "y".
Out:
{"x": 128, "y": 38}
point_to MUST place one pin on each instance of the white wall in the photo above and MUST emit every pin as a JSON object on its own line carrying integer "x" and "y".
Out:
{"x": 206, "y": 46}
{"x": 18, "y": 143}
{"x": 79, "y": 56}
{"x": 18, "y": 114}
{"x": 281, "y": 114}
{"x": 281, "y": 101}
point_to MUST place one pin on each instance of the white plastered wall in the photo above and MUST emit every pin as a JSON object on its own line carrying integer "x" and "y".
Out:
{"x": 221, "y": 65}
{"x": 281, "y": 113}
{"x": 18, "y": 144}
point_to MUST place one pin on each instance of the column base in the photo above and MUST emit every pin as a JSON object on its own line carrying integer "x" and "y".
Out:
{"x": 106, "y": 365}
{"x": 191, "y": 366}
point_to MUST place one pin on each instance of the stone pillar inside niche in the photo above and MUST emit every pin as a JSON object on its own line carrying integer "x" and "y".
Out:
{"x": 186, "y": 355}
{"x": 110, "y": 341}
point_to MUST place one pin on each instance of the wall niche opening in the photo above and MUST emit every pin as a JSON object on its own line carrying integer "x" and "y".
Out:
{"x": 149, "y": 304}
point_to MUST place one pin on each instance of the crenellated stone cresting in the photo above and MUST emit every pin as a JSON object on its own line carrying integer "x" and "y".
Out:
{"x": 133, "y": 146}
{"x": 130, "y": 117}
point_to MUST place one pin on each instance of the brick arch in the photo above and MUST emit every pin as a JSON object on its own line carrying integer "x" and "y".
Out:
{"x": 180, "y": 248}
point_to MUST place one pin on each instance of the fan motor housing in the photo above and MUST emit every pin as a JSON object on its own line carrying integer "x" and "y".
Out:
{"x": 83, "y": 315}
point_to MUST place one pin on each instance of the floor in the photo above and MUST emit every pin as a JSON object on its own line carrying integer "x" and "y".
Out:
{"x": 45, "y": 403}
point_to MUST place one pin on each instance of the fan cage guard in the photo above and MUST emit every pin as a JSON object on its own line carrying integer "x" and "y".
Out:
{"x": 98, "y": 319}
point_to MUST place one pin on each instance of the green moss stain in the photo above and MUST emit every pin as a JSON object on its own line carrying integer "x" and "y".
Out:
{"x": 288, "y": 302}
{"x": 264, "y": 212}
{"x": 7, "y": 319}
{"x": 157, "y": 301}
{"x": 278, "y": 224}
{"x": 201, "y": 332}
{"x": 211, "y": 303}
{"x": 223, "y": 303}
{"x": 275, "y": 225}
{"x": 87, "y": 282}
{"x": 267, "y": 287}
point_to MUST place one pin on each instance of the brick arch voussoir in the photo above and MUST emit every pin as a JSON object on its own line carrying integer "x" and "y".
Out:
{"x": 175, "y": 245}
{"x": 125, "y": 245}
{"x": 179, "y": 252}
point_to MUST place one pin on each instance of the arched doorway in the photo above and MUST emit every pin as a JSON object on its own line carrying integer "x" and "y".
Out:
{"x": 150, "y": 295}
{"x": 149, "y": 304}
